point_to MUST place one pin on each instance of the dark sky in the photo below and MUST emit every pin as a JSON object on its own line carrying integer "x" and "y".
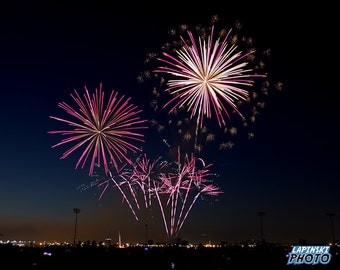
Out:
{"x": 289, "y": 170}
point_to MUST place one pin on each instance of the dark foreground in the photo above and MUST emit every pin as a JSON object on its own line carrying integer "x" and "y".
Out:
{"x": 236, "y": 257}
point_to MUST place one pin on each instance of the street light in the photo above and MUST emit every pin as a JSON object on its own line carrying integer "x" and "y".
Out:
{"x": 76, "y": 211}
{"x": 332, "y": 227}
{"x": 261, "y": 213}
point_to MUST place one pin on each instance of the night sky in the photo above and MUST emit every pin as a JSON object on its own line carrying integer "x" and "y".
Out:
{"x": 289, "y": 170}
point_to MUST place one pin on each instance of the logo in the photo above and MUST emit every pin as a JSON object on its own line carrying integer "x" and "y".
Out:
{"x": 309, "y": 255}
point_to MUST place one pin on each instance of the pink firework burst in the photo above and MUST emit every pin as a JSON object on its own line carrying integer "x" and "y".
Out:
{"x": 207, "y": 77}
{"x": 105, "y": 131}
{"x": 208, "y": 84}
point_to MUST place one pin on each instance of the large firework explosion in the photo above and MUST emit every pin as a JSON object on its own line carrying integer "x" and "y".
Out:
{"x": 207, "y": 84}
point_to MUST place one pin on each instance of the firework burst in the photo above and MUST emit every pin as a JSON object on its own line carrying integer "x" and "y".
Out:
{"x": 104, "y": 130}
{"x": 206, "y": 75}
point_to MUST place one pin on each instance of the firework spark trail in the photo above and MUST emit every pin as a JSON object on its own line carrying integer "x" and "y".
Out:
{"x": 132, "y": 180}
{"x": 192, "y": 179}
{"x": 142, "y": 177}
{"x": 124, "y": 176}
{"x": 103, "y": 180}
{"x": 177, "y": 186}
{"x": 208, "y": 189}
{"x": 206, "y": 76}
{"x": 143, "y": 172}
{"x": 193, "y": 176}
{"x": 124, "y": 196}
{"x": 104, "y": 131}
{"x": 157, "y": 189}
{"x": 127, "y": 181}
